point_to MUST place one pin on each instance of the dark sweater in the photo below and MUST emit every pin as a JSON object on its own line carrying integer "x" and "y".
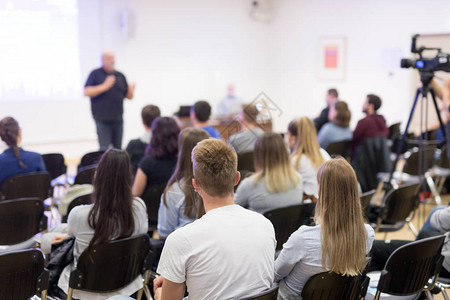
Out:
{"x": 369, "y": 127}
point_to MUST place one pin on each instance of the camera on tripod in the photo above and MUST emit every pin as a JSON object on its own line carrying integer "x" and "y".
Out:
{"x": 441, "y": 62}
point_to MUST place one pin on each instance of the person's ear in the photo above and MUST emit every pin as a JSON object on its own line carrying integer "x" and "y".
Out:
{"x": 238, "y": 177}
{"x": 195, "y": 185}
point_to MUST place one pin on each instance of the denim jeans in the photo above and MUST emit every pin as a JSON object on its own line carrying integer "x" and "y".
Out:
{"x": 427, "y": 225}
{"x": 109, "y": 133}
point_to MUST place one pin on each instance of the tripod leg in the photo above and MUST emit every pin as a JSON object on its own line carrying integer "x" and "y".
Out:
{"x": 405, "y": 133}
{"x": 438, "y": 114}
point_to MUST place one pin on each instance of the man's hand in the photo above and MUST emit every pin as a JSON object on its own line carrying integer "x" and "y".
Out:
{"x": 166, "y": 289}
{"x": 109, "y": 81}
{"x": 157, "y": 283}
{"x": 59, "y": 238}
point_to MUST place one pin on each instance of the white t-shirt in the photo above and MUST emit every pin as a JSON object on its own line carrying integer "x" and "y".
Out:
{"x": 226, "y": 254}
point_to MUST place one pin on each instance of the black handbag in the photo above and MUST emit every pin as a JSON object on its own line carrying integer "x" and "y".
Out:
{"x": 60, "y": 256}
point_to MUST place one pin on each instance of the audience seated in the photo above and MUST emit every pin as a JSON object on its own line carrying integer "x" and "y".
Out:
{"x": 322, "y": 119}
{"x": 275, "y": 184}
{"x": 438, "y": 223}
{"x": 339, "y": 242}
{"x": 136, "y": 148}
{"x": 15, "y": 160}
{"x": 180, "y": 205}
{"x": 372, "y": 125}
{"x": 307, "y": 156}
{"x": 161, "y": 156}
{"x": 200, "y": 113}
{"x": 337, "y": 129}
{"x": 115, "y": 214}
{"x": 244, "y": 140}
{"x": 226, "y": 254}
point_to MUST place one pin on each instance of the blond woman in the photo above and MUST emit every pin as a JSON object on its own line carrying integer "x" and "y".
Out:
{"x": 275, "y": 184}
{"x": 339, "y": 242}
{"x": 307, "y": 156}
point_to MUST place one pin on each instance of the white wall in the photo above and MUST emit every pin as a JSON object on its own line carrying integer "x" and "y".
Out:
{"x": 376, "y": 32}
{"x": 181, "y": 51}
{"x": 177, "y": 52}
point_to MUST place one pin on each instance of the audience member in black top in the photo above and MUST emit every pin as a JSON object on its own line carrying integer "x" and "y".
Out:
{"x": 136, "y": 148}
{"x": 322, "y": 119}
{"x": 161, "y": 156}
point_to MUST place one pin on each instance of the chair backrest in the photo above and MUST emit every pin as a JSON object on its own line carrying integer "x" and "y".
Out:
{"x": 400, "y": 203}
{"x": 111, "y": 266}
{"x": 270, "y": 294}
{"x": 365, "y": 202}
{"x": 54, "y": 164}
{"x": 80, "y": 200}
{"x": 91, "y": 158}
{"x": 85, "y": 175}
{"x": 394, "y": 131}
{"x": 245, "y": 162}
{"x": 22, "y": 274}
{"x": 412, "y": 160}
{"x": 21, "y": 219}
{"x": 339, "y": 148}
{"x": 444, "y": 162}
{"x": 332, "y": 286}
{"x": 409, "y": 267}
{"x": 371, "y": 157}
{"x": 152, "y": 199}
{"x": 27, "y": 185}
{"x": 286, "y": 220}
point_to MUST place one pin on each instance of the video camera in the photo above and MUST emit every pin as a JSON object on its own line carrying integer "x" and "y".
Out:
{"x": 441, "y": 62}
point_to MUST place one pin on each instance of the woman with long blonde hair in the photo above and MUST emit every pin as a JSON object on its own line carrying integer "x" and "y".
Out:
{"x": 307, "y": 156}
{"x": 339, "y": 242}
{"x": 275, "y": 184}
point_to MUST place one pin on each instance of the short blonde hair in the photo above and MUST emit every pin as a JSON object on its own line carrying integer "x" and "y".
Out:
{"x": 215, "y": 167}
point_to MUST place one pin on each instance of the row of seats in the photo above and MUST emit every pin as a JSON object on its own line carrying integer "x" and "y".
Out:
{"x": 411, "y": 269}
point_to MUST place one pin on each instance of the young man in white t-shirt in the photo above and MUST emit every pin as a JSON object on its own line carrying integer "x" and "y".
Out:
{"x": 226, "y": 254}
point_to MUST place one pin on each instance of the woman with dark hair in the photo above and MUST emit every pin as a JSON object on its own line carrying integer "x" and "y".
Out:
{"x": 15, "y": 160}
{"x": 180, "y": 205}
{"x": 338, "y": 128}
{"x": 115, "y": 214}
{"x": 161, "y": 156}
{"x": 276, "y": 183}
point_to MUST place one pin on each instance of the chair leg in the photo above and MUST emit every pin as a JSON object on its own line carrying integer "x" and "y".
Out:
{"x": 433, "y": 189}
{"x": 429, "y": 295}
{"x": 139, "y": 294}
{"x": 44, "y": 295}
{"x": 444, "y": 293}
{"x": 147, "y": 293}
{"x": 69, "y": 294}
{"x": 413, "y": 229}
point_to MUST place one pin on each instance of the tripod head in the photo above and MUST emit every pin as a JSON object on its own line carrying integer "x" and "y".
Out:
{"x": 425, "y": 78}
